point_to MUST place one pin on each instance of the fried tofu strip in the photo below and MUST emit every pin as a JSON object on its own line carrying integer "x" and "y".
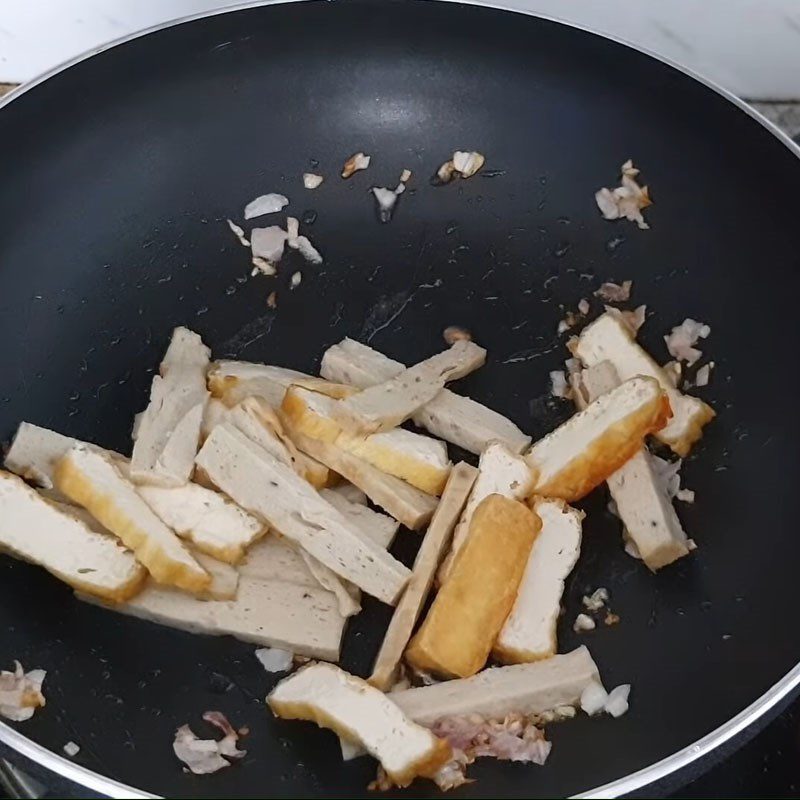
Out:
{"x": 363, "y": 715}
{"x": 499, "y": 472}
{"x": 609, "y": 339}
{"x": 468, "y": 612}
{"x": 272, "y": 613}
{"x": 92, "y": 480}
{"x": 412, "y": 507}
{"x": 447, "y": 416}
{"x": 529, "y": 632}
{"x": 430, "y": 553}
{"x": 168, "y": 433}
{"x": 527, "y": 689}
{"x": 595, "y": 443}
{"x": 387, "y": 405}
{"x": 273, "y": 491}
{"x": 418, "y": 460}
{"x": 65, "y": 544}
{"x": 259, "y": 422}
{"x": 646, "y": 511}
{"x": 209, "y": 521}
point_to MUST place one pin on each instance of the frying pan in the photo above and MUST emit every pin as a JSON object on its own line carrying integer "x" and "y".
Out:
{"x": 118, "y": 175}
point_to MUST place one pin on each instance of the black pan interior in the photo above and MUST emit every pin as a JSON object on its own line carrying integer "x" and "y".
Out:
{"x": 118, "y": 175}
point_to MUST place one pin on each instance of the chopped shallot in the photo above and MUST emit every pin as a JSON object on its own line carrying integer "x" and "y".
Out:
{"x": 596, "y": 600}
{"x": 467, "y": 163}
{"x": 265, "y": 204}
{"x": 703, "y": 375}
{"x": 356, "y": 162}
{"x": 626, "y": 200}
{"x": 303, "y": 245}
{"x": 71, "y": 749}
{"x": 614, "y": 292}
{"x": 268, "y": 243}
{"x": 273, "y": 659}
{"x": 21, "y": 693}
{"x": 681, "y": 341}
{"x": 583, "y": 306}
{"x": 685, "y": 495}
{"x": 204, "y": 756}
{"x": 405, "y": 176}
{"x": 453, "y": 334}
{"x": 239, "y": 232}
{"x": 583, "y": 622}
{"x": 559, "y": 385}
{"x": 297, "y": 277}
{"x": 312, "y": 181}
{"x": 386, "y": 199}
{"x": 593, "y": 698}
{"x": 617, "y": 702}
{"x": 292, "y": 228}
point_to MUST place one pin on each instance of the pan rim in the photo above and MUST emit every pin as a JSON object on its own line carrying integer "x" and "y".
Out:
{"x": 650, "y": 774}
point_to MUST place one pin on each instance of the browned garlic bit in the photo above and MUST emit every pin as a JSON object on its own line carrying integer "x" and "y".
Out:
{"x": 355, "y": 163}
{"x": 272, "y": 300}
{"x": 611, "y": 619}
{"x": 626, "y": 200}
{"x": 614, "y": 292}
{"x": 462, "y": 164}
{"x": 583, "y": 306}
{"x": 204, "y": 756}
{"x": 454, "y": 333}
{"x": 405, "y": 176}
{"x": 21, "y": 693}
{"x": 312, "y": 181}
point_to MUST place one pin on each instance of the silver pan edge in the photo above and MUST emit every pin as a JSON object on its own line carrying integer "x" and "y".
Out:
{"x": 681, "y": 759}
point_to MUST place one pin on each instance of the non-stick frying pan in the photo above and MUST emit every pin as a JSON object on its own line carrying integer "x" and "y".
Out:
{"x": 118, "y": 174}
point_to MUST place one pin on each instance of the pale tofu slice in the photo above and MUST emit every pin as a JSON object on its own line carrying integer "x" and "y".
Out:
{"x": 433, "y": 546}
{"x": 419, "y": 460}
{"x": 259, "y": 422}
{"x": 224, "y": 578}
{"x": 363, "y": 715}
{"x": 302, "y": 619}
{"x": 273, "y": 491}
{"x": 448, "y": 416}
{"x": 44, "y": 533}
{"x": 93, "y": 481}
{"x": 212, "y": 523}
{"x": 468, "y": 612}
{"x": 168, "y": 433}
{"x": 609, "y": 339}
{"x": 389, "y": 404}
{"x": 529, "y": 632}
{"x": 381, "y": 528}
{"x": 234, "y": 381}
{"x": 646, "y": 511}
{"x": 215, "y": 413}
{"x": 412, "y": 507}
{"x": 527, "y": 689}
{"x": 347, "y": 595}
{"x": 274, "y": 558}
{"x": 350, "y": 492}
{"x": 35, "y": 451}
{"x": 593, "y": 444}
{"x": 499, "y": 472}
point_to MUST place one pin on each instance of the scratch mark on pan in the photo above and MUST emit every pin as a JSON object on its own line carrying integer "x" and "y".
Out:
{"x": 527, "y": 355}
{"x": 247, "y": 335}
{"x": 671, "y": 36}
{"x": 388, "y": 309}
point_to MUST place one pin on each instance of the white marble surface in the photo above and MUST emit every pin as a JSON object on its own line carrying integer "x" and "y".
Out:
{"x": 751, "y": 47}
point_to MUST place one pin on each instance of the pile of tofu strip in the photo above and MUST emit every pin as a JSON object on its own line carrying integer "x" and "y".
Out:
{"x": 242, "y": 510}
